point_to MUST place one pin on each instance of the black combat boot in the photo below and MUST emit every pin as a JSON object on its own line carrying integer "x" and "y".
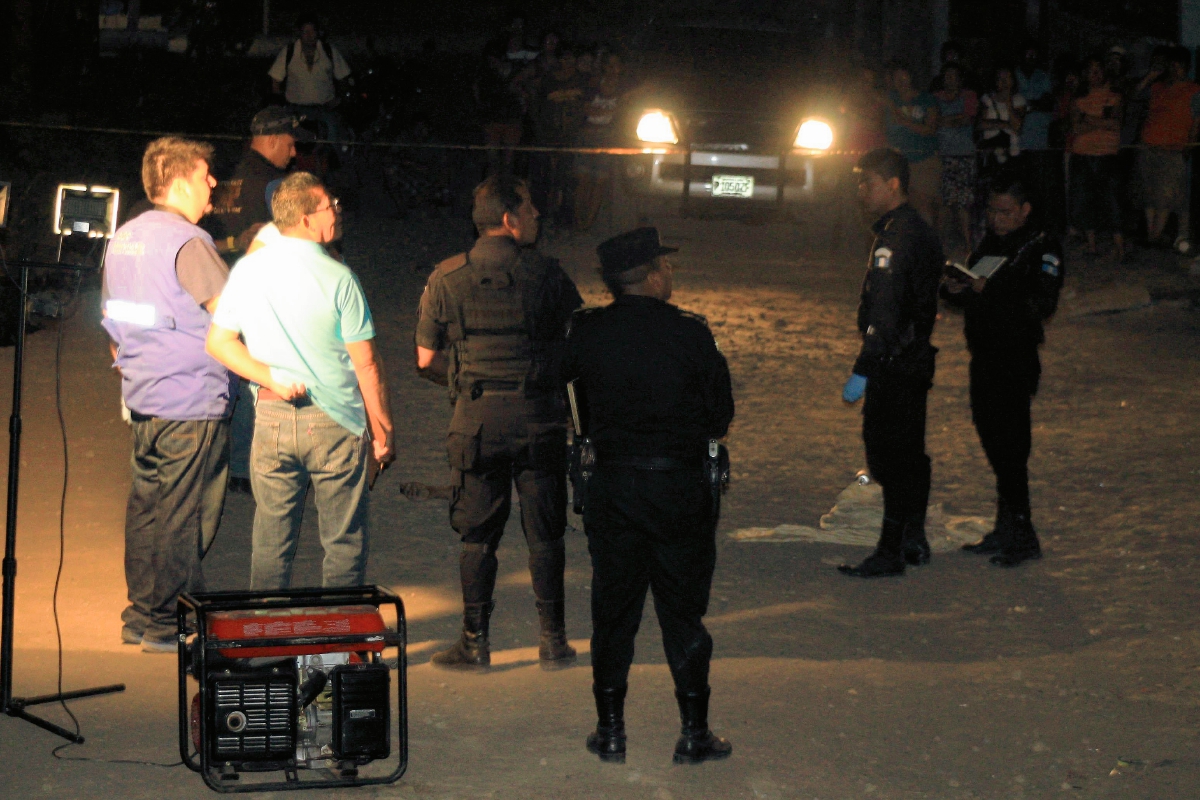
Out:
{"x": 916, "y": 547}
{"x": 888, "y": 558}
{"x": 994, "y": 542}
{"x": 553, "y": 650}
{"x": 608, "y": 740}
{"x": 1022, "y": 547}
{"x": 697, "y": 743}
{"x": 471, "y": 652}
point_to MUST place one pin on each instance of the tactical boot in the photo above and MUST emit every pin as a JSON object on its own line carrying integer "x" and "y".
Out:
{"x": 888, "y": 558}
{"x": 916, "y": 546}
{"x": 553, "y": 650}
{"x": 1022, "y": 547}
{"x": 994, "y": 542}
{"x": 471, "y": 652}
{"x": 608, "y": 740}
{"x": 697, "y": 743}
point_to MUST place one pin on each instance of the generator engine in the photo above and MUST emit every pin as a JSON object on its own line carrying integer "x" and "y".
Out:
{"x": 291, "y": 688}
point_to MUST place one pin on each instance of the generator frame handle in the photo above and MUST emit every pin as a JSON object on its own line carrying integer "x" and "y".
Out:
{"x": 200, "y": 605}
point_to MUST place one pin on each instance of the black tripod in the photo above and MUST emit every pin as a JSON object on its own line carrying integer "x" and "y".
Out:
{"x": 15, "y": 706}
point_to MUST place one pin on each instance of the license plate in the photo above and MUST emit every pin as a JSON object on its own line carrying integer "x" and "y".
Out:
{"x": 733, "y": 185}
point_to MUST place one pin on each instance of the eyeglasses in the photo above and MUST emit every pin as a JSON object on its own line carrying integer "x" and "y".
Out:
{"x": 334, "y": 205}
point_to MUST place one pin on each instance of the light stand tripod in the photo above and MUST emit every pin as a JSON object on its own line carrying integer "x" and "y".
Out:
{"x": 15, "y": 706}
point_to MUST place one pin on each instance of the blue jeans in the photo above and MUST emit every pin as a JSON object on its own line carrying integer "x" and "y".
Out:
{"x": 175, "y": 502}
{"x": 294, "y": 444}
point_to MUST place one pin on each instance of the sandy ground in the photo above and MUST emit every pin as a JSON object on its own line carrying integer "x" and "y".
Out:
{"x": 1076, "y": 676}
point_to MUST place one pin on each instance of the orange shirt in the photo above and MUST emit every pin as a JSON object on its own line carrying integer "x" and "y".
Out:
{"x": 1099, "y": 142}
{"x": 1169, "y": 122}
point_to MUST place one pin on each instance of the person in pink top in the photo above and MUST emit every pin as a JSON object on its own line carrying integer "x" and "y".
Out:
{"x": 1096, "y": 132}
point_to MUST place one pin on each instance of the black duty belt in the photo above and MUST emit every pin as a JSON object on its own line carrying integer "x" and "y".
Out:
{"x": 657, "y": 463}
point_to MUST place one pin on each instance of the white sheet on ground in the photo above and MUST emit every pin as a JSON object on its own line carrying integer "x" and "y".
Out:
{"x": 856, "y": 517}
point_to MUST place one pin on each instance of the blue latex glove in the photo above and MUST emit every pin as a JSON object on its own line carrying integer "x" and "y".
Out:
{"x": 855, "y": 388}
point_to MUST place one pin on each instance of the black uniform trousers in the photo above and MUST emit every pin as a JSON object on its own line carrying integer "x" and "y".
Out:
{"x": 497, "y": 441}
{"x": 650, "y": 529}
{"x": 1001, "y": 395}
{"x": 894, "y": 438}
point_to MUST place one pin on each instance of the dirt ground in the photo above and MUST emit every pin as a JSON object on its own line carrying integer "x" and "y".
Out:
{"x": 1075, "y": 676}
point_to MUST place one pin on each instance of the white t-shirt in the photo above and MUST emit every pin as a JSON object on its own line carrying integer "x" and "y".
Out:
{"x": 309, "y": 87}
{"x": 996, "y": 109}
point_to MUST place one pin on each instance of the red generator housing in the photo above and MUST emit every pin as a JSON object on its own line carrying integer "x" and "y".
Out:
{"x": 293, "y": 684}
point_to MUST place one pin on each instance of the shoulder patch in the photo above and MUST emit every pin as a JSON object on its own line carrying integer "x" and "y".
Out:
{"x": 703, "y": 320}
{"x": 882, "y": 258}
{"x": 1051, "y": 264}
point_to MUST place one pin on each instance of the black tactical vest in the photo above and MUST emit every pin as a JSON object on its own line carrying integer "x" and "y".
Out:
{"x": 506, "y": 333}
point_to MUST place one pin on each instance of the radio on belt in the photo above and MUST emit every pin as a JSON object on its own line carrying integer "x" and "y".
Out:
{"x": 292, "y": 682}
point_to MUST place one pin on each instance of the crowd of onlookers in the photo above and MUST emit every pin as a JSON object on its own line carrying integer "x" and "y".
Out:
{"x": 559, "y": 93}
{"x": 1103, "y": 147}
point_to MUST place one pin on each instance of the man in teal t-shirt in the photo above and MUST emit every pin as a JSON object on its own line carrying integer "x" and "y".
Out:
{"x": 321, "y": 400}
{"x": 912, "y": 124}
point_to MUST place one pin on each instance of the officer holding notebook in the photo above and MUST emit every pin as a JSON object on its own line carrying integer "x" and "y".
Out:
{"x": 1003, "y": 316}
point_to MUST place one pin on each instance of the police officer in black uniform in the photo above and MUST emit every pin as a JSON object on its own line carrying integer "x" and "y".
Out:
{"x": 493, "y": 324}
{"x": 656, "y": 390}
{"x": 1003, "y": 317}
{"x": 894, "y": 369}
{"x": 240, "y": 204}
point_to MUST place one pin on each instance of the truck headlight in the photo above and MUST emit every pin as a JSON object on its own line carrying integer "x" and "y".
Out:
{"x": 658, "y": 127}
{"x": 814, "y": 134}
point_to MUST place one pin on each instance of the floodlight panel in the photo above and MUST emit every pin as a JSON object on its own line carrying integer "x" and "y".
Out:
{"x": 87, "y": 210}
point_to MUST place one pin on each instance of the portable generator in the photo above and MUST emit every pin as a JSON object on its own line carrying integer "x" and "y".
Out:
{"x": 294, "y": 682}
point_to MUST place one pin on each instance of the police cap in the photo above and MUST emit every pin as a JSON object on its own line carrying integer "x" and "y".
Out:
{"x": 630, "y": 250}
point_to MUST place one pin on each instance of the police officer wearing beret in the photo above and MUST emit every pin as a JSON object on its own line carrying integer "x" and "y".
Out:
{"x": 1003, "y": 317}
{"x": 894, "y": 369}
{"x": 656, "y": 390}
{"x": 492, "y": 325}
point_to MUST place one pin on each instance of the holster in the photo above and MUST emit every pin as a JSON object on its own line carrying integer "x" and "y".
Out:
{"x": 581, "y": 463}
{"x": 716, "y": 471}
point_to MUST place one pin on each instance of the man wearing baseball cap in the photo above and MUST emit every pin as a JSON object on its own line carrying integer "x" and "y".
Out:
{"x": 240, "y": 211}
{"x": 656, "y": 391}
{"x": 240, "y": 203}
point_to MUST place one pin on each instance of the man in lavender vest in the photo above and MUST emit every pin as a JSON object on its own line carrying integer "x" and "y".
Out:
{"x": 162, "y": 280}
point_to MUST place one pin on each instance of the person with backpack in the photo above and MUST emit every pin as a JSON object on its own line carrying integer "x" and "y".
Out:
{"x": 306, "y": 73}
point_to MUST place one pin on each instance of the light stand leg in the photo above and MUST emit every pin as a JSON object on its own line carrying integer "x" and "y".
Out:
{"x": 10, "y": 529}
{"x": 15, "y": 706}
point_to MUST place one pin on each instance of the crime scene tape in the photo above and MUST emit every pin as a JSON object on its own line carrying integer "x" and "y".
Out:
{"x": 656, "y": 149}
